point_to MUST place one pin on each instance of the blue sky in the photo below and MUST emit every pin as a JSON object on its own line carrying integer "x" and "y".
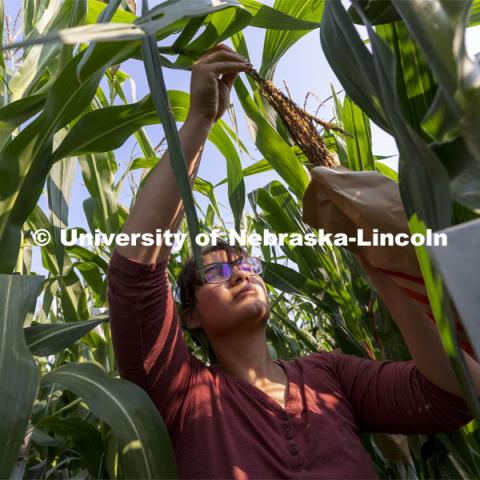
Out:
{"x": 304, "y": 69}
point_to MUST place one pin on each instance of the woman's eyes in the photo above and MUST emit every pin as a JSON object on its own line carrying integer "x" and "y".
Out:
{"x": 224, "y": 270}
{"x": 221, "y": 270}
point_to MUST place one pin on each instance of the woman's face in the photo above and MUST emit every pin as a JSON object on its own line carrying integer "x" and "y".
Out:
{"x": 239, "y": 304}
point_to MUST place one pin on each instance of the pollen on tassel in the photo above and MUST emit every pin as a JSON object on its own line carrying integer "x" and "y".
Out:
{"x": 301, "y": 125}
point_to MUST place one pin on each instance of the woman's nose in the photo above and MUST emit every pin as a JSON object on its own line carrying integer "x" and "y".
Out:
{"x": 238, "y": 275}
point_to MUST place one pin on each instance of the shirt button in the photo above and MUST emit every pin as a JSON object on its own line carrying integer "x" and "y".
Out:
{"x": 289, "y": 434}
{"x": 293, "y": 449}
{"x": 298, "y": 466}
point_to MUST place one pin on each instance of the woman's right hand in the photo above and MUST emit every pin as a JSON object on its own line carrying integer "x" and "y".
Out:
{"x": 212, "y": 79}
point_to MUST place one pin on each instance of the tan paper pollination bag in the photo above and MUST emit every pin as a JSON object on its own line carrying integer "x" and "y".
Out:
{"x": 338, "y": 200}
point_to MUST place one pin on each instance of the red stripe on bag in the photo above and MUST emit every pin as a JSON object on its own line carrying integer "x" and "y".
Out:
{"x": 405, "y": 276}
{"x": 416, "y": 296}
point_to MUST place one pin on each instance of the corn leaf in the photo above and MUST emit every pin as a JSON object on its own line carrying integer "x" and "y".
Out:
{"x": 416, "y": 86}
{"x": 458, "y": 74}
{"x": 24, "y": 163}
{"x": 96, "y": 7}
{"x": 59, "y": 185}
{"x": 359, "y": 144}
{"x": 276, "y": 19}
{"x": 104, "y": 17}
{"x": 378, "y": 12}
{"x": 474, "y": 19}
{"x": 177, "y": 159}
{"x": 18, "y": 112}
{"x": 19, "y": 374}
{"x": 219, "y": 26}
{"x": 58, "y": 15}
{"x": 98, "y": 175}
{"x": 425, "y": 188}
{"x": 258, "y": 167}
{"x": 277, "y": 42}
{"x": 72, "y": 295}
{"x": 45, "y": 339}
{"x": 157, "y": 22}
{"x": 441, "y": 309}
{"x": 289, "y": 281}
{"x": 354, "y": 75}
{"x": 84, "y": 437}
{"x": 129, "y": 412}
{"x": 90, "y": 135}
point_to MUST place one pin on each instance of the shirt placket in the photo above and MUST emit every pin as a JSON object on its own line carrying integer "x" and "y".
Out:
{"x": 288, "y": 420}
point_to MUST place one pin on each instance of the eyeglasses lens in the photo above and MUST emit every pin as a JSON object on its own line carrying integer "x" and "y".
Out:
{"x": 220, "y": 272}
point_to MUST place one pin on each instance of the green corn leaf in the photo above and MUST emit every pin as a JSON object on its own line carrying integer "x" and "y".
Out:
{"x": 277, "y": 42}
{"x": 177, "y": 160}
{"x": 98, "y": 174}
{"x": 24, "y": 163}
{"x": 18, "y": 112}
{"x": 46, "y": 339}
{"x": 186, "y": 35}
{"x": 386, "y": 170}
{"x": 104, "y": 17}
{"x": 276, "y": 19}
{"x": 236, "y": 184}
{"x": 59, "y": 185}
{"x": 19, "y": 374}
{"x": 424, "y": 187}
{"x": 457, "y": 73}
{"x": 92, "y": 276}
{"x": 416, "y": 86}
{"x": 156, "y": 22}
{"x": 340, "y": 40}
{"x": 359, "y": 144}
{"x": 90, "y": 135}
{"x": 281, "y": 213}
{"x": 378, "y": 12}
{"x": 86, "y": 255}
{"x": 84, "y": 437}
{"x": 424, "y": 20}
{"x": 474, "y": 19}
{"x": 206, "y": 188}
{"x": 148, "y": 162}
{"x": 219, "y": 26}
{"x": 441, "y": 309}
{"x": 258, "y": 167}
{"x": 73, "y": 296}
{"x": 30, "y": 13}
{"x": 96, "y": 7}
{"x": 289, "y": 281}
{"x": 129, "y": 412}
{"x": 38, "y": 58}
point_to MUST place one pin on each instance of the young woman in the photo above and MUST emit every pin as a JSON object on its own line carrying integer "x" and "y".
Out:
{"x": 248, "y": 416}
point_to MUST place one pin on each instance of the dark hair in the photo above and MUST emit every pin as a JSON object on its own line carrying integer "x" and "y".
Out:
{"x": 190, "y": 276}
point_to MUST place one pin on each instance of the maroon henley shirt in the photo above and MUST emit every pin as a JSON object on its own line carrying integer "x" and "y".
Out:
{"x": 222, "y": 426}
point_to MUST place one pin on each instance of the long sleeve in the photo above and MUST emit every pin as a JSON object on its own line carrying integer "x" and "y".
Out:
{"x": 394, "y": 397}
{"x": 146, "y": 334}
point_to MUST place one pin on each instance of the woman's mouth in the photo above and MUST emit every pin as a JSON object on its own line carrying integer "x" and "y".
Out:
{"x": 246, "y": 291}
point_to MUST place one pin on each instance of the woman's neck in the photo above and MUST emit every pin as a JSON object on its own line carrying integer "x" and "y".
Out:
{"x": 247, "y": 356}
